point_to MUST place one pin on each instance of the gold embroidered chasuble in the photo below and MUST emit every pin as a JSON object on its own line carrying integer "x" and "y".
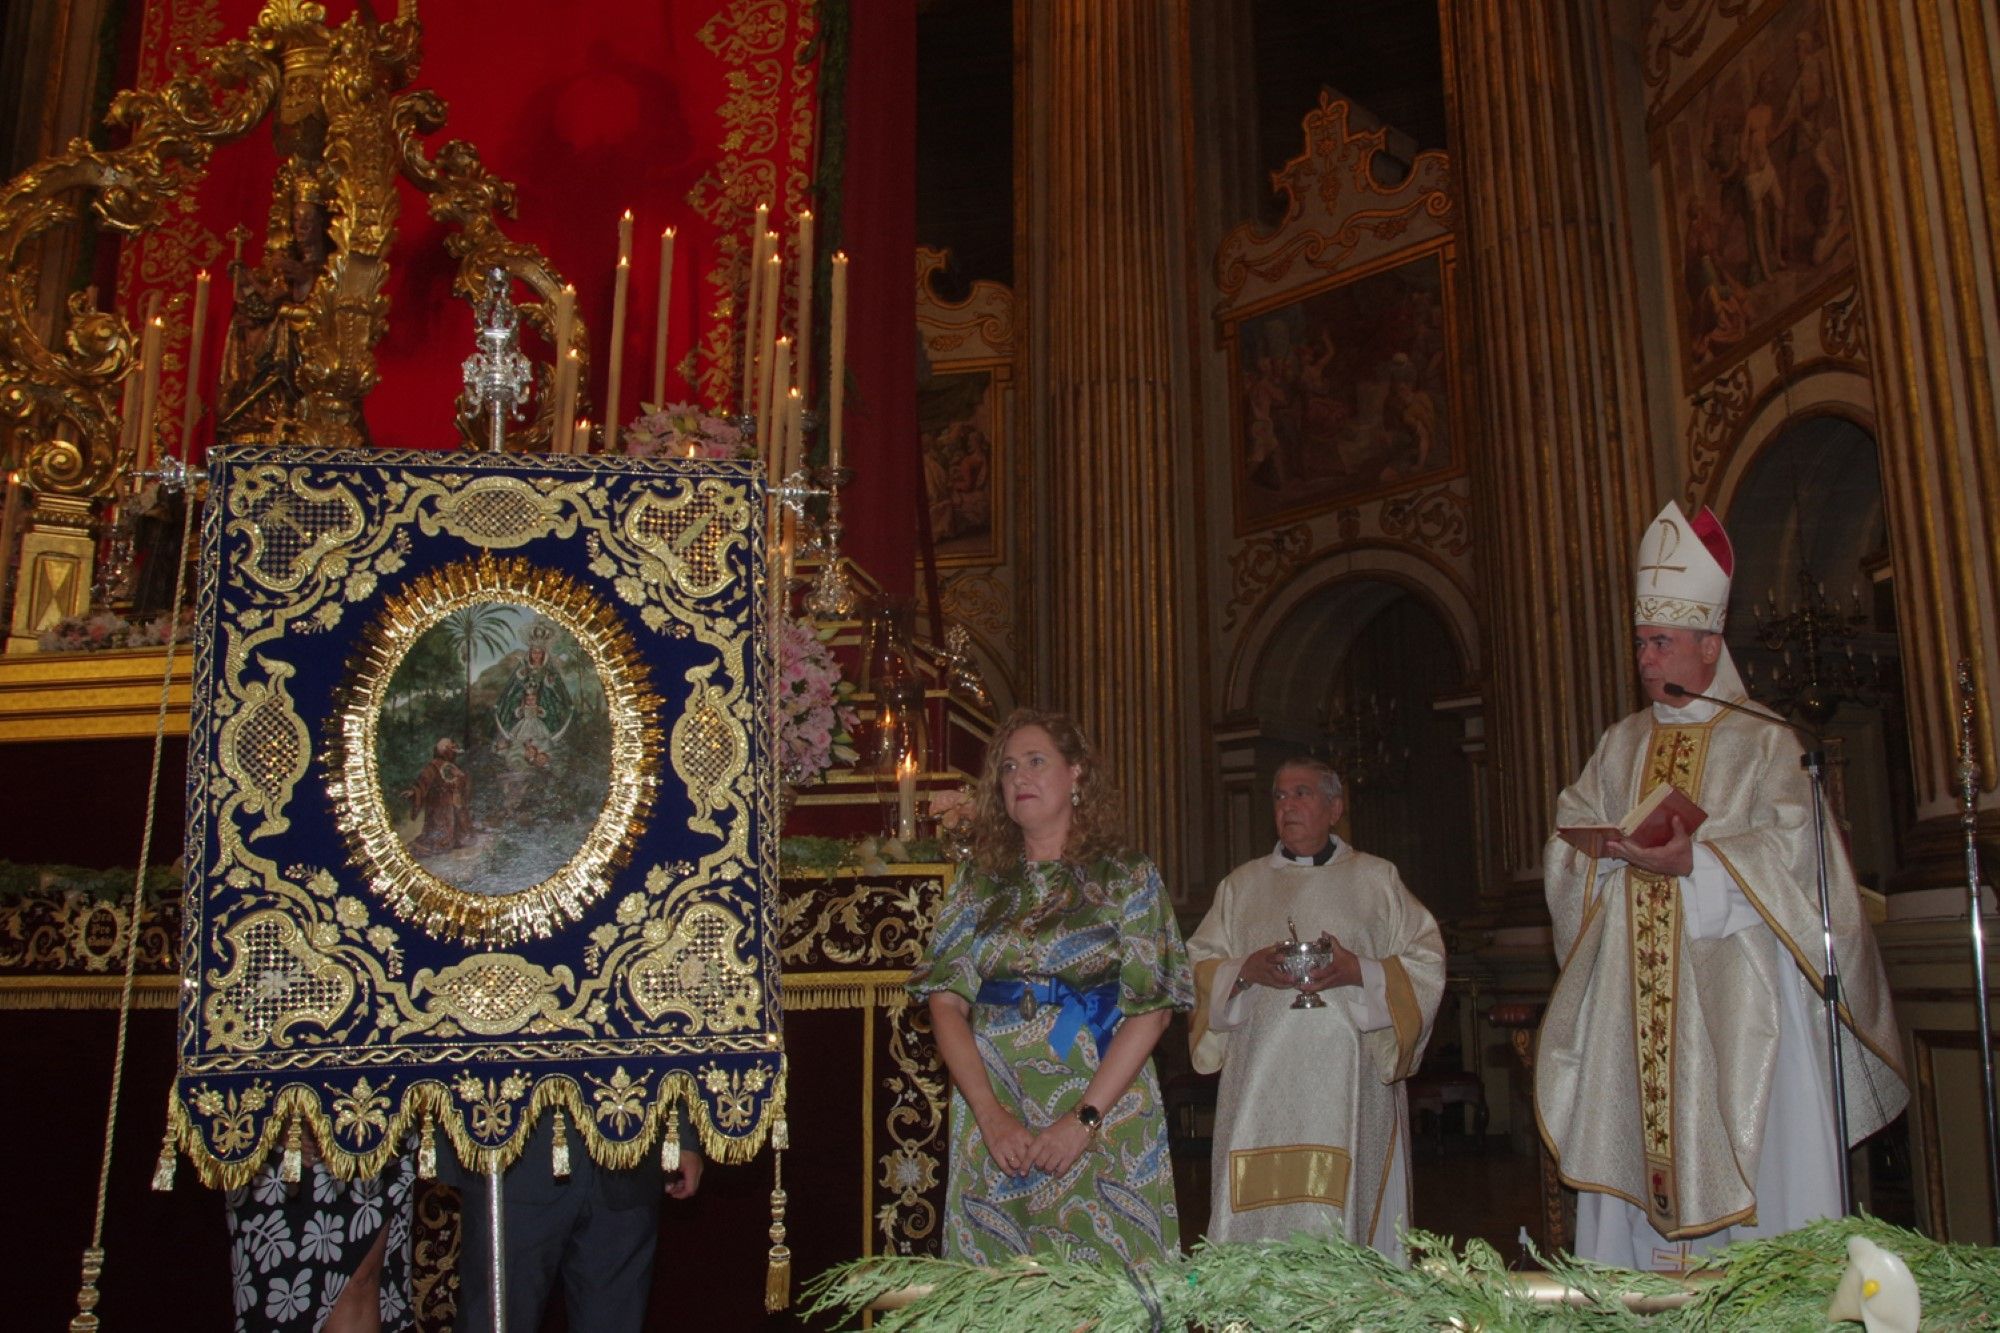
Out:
{"x": 1654, "y": 1066}
{"x": 1311, "y": 1116}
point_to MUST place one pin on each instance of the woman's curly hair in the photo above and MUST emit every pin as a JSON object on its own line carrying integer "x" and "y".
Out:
{"x": 1096, "y": 824}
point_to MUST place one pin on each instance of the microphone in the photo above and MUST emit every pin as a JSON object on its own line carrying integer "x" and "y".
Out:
{"x": 1682, "y": 692}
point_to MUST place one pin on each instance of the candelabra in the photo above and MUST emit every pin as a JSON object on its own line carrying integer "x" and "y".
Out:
{"x": 1361, "y": 741}
{"x": 832, "y": 596}
{"x": 1813, "y": 667}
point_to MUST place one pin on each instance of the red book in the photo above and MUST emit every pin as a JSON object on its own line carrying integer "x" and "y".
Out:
{"x": 1649, "y": 825}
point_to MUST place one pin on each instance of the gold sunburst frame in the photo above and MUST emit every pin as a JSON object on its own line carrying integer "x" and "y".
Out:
{"x": 412, "y": 891}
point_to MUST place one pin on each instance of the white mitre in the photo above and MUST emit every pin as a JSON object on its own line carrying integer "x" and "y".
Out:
{"x": 1682, "y": 579}
{"x": 1682, "y": 582}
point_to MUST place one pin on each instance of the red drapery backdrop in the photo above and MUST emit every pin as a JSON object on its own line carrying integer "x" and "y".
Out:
{"x": 687, "y": 112}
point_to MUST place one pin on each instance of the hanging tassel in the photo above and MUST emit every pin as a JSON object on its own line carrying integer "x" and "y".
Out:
{"x": 778, "y": 1271}
{"x": 670, "y": 1142}
{"x": 427, "y": 1151}
{"x": 562, "y": 1147}
{"x": 292, "y": 1164}
{"x": 163, "y": 1170}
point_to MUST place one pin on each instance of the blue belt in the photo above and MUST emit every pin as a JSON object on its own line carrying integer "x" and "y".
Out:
{"x": 1096, "y": 1009}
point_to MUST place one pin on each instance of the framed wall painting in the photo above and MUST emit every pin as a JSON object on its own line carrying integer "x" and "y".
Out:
{"x": 962, "y": 423}
{"x": 1345, "y": 390}
{"x": 1756, "y": 190}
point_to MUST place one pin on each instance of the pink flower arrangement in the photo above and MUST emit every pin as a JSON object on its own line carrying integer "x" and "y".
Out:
{"x": 682, "y": 430}
{"x": 100, "y": 631}
{"x": 815, "y": 724}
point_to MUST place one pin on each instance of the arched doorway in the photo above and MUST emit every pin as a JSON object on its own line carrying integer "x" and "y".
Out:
{"x": 1807, "y": 522}
{"x": 1355, "y": 673}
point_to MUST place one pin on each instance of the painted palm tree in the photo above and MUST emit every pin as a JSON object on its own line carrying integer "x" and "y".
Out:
{"x": 470, "y": 629}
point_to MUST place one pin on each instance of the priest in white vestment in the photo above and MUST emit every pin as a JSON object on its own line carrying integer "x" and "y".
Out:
{"x": 1682, "y": 1077}
{"x": 1312, "y": 1122}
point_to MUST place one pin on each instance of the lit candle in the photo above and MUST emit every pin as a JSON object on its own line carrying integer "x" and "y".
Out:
{"x": 836, "y": 369}
{"x": 562, "y": 409}
{"x": 149, "y": 392}
{"x": 804, "y": 286}
{"x": 580, "y": 444}
{"x": 771, "y": 420}
{"x": 620, "y": 287}
{"x": 197, "y": 327}
{"x": 791, "y": 456}
{"x": 906, "y": 797}
{"x": 660, "y": 326}
{"x": 767, "y": 332}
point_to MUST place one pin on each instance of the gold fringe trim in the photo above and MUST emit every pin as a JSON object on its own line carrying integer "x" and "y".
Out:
{"x": 846, "y": 990}
{"x": 151, "y": 992}
{"x": 432, "y": 1106}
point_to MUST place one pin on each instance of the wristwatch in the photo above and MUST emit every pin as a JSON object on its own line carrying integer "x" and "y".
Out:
{"x": 1090, "y": 1118}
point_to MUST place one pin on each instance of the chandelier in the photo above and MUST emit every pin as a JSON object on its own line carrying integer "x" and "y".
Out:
{"x": 1361, "y": 739}
{"x": 1811, "y": 663}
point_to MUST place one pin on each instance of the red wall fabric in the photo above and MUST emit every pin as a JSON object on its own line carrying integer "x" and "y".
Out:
{"x": 688, "y": 112}
{"x": 880, "y": 231}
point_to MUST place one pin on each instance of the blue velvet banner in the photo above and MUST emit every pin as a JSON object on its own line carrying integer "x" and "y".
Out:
{"x": 480, "y": 813}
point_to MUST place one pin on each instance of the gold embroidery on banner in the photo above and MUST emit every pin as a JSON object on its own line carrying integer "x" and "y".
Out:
{"x": 291, "y": 525}
{"x": 279, "y": 979}
{"x": 735, "y": 1093}
{"x": 499, "y": 513}
{"x": 492, "y": 995}
{"x": 231, "y": 1114}
{"x": 1674, "y": 757}
{"x": 621, "y": 1101}
{"x": 700, "y": 972}
{"x": 691, "y": 535}
{"x": 709, "y": 752}
{"x": 266, "y": 747}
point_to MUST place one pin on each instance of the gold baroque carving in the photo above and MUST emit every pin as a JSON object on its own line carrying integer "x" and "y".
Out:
{"x": 1260, "y": 564}
{"x": 1720, "y": 410}
{"x": 982, "y": 601}
{"x": 1335, "y": 207}
{"x": 1843, "y": 327}
{"x": 1436, "y": 518}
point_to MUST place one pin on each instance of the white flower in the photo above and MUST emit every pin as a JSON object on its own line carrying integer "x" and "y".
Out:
{"x": 326, "y": 1185}
{"x": 288, "y": 1300}
{"x": 246, "y": 1284}
{"x": 268, "y": 1239}
{"x": 330, "y": 1288}
{"x": 324, "y": 1237}
{"x": 266, "y": 1188}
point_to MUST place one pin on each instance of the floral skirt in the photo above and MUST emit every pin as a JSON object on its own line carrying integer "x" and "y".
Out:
{"x": 292, "y": 1248}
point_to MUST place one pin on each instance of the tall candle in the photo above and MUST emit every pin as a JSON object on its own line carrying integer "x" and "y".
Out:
{"x": 753, "y": 310}
{"x": 581, "y": 443}
{"x": 771, "y": 419}
{"x": 572, "y": 372}
{"x": 149, "y": 392}
{"x": 613, "y": 399}
{"x": 660, "y": 324}
{"x": 906, "y": 797}
{"x": 802, "y": 375}
{"x": 767, "y": 292}
{"x": 197, "y": 330}
{"x": 791, "y": 455}
{"x": 560, "y": 417}
{"x": 836, "y": 368}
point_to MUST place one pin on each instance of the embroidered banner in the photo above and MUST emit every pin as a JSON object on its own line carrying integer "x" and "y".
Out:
{"x": 480, "y": 822}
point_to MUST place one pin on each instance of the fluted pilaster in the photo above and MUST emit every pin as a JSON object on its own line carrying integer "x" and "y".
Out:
{"x": 1922, "y": 124}
{"x": 1114, "y": 567}
{"x": 1561, "y": 484}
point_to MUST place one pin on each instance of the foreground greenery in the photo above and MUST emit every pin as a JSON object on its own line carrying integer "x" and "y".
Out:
{"x": 1324, "y": 1283}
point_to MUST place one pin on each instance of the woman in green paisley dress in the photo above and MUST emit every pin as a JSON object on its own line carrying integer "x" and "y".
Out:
{"x": 1053, "y": 968}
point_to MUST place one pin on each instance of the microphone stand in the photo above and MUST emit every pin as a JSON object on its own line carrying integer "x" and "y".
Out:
{"x": 1814, "y": 763}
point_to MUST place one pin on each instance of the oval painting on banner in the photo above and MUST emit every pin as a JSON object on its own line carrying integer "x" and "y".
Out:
{"x": 493, "y": 748}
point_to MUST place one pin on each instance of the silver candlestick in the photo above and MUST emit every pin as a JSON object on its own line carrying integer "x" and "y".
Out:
{"x": 497, "y": 375}
{"x": 832, "y": 596}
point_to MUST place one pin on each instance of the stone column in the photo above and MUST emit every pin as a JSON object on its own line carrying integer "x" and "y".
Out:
{"x": 1114, "y": 533}
{"x": 1922, "y": 125}
{"x": 1561, "y": 482}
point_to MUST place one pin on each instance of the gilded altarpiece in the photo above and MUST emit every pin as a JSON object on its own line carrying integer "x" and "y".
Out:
{"x": 480, "y": 825}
